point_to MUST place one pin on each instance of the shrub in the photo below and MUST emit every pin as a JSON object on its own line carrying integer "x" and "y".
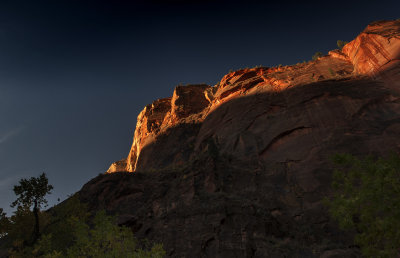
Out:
{"x": 341, "y": 43}
{"x": 65, "y": 230}
{"x": 107, "y": 239}
{"x": 317, "y": 55}
{"x": 366, "y": 200}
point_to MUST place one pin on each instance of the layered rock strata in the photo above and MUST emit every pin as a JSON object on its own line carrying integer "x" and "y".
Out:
{"x": 239, "y": 169}
{"x": 375, "y": 52}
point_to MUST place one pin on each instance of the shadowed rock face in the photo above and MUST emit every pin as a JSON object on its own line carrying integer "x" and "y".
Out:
{"x": 240, "y": 169}
{"x": 259, "y": 194}
{"x": 193, "y": 103}
{"x": 375, "y": 52}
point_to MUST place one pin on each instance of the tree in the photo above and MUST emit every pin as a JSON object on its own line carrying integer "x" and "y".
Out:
{"x": 366, "y": 200}
{"x": 66, "y": 230}
{"x": 4, "y": 223}
{"x": 18, "y": 235}
{"x": 104, "y": 239}
{"x": 62, "y": 221}
{"x": 317, "y": 55}
{"x": 31, "y": 192}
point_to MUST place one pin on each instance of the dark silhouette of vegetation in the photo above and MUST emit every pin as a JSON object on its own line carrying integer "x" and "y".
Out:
{"x": 367, "y": 201}
{"x": 317, "y": 55}
{"x": 3, "y": 223}
{"x": 66, "y": 230}
{"x": 341, "y": 43}
{"x": 31, "y": 192}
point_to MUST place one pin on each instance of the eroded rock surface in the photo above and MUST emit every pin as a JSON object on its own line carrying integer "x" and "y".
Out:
{"x": 262, "y": 166}
{"x": 376, "y": 52}
{"x": 191, "y": 104}
{"x": 375, "y": 48}
{"x": 239, "y": 169}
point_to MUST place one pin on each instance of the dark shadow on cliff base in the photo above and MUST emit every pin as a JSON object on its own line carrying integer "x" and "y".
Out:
{"x": 228, "y": 206}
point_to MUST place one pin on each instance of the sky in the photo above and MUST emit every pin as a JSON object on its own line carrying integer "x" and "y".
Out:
{"x": 74, "y": 75}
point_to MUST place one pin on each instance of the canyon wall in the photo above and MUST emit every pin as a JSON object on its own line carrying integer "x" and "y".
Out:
{"x": 239, "y": 169}
{"x": 375, "y": 52}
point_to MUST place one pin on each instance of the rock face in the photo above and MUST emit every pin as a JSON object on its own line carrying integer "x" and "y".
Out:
{"x": 239, "y": 169}
{"x": 376, "y": 48}
{"x": 183, "y": 108}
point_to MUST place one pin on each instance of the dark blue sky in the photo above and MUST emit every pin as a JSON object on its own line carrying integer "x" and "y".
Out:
{"x": 75, "y": 74}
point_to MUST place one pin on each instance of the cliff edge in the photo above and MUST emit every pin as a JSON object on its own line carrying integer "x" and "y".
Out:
{"x": 239, "y": 169}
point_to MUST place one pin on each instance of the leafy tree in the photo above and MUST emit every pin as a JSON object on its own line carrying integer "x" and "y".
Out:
{"x": 19, "y": 233}
{"x": 31, "y": 192}
{"x": 76, "y": 236}
{"x": 341, "y": 43}
{"x": 66, "y": 230}
{"x": 107, "y": 239}
{"x": 58, "y": 232}
{"x": 317, "y": 55}
{"x": 366, "y": 200}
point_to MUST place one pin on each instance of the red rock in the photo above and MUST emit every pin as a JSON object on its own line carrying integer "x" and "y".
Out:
{"x": 191, "y": 104}
{"x": 375, "y": 48}
{"x": 338, "y": 54}
{"x": 118, "y": 166}
{"x": 241, "y": 168}
{"x": 376, "y": 52}
{"x": 148, "y": 125}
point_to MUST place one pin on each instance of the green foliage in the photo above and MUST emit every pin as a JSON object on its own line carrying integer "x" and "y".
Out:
{"x": 62, "y": 220}
{"x": 317, "y": 55}
{"x": 67, "y": 231}
{"x": 4, "y": 223}
{"x": 367, "y": 201}
{"x": 21, "y": 225}
{"x": 341, "y": 43}
{"x": 106, "y": 239}
{"x": 31, "y": 192}
{"x": 19, "y": 232}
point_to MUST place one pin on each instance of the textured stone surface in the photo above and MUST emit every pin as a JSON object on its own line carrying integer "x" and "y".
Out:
{"x": 375, "y": 48}
{"x": 148, "y": 125}
{"x": 191, "y": 104}
{"x": 260, "y": 167}
{"x": 240, "y": 169}
{"x": 375, "y": 52}
{"x": 118, "y": 166}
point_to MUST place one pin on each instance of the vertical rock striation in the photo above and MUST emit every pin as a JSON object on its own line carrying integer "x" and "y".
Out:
{"x": 375, "y": 53}
{"x": 239, "y": 169}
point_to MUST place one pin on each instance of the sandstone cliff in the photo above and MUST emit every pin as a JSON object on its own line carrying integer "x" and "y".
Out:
{"x": 239, "y": 169}
{"x": 374, "y": 52}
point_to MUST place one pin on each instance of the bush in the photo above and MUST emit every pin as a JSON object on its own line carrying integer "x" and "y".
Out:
{"x": 366, "y": 200}
{"x": 65, "y": 230}
{"x": 341, "y": 43}
{"x": 317, "y": 55}
{"x": 106, "y": 239}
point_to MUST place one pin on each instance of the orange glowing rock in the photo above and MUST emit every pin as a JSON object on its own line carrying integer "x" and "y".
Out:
{"x": 375, "y": 48}
{"x": 376, "y": 52}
